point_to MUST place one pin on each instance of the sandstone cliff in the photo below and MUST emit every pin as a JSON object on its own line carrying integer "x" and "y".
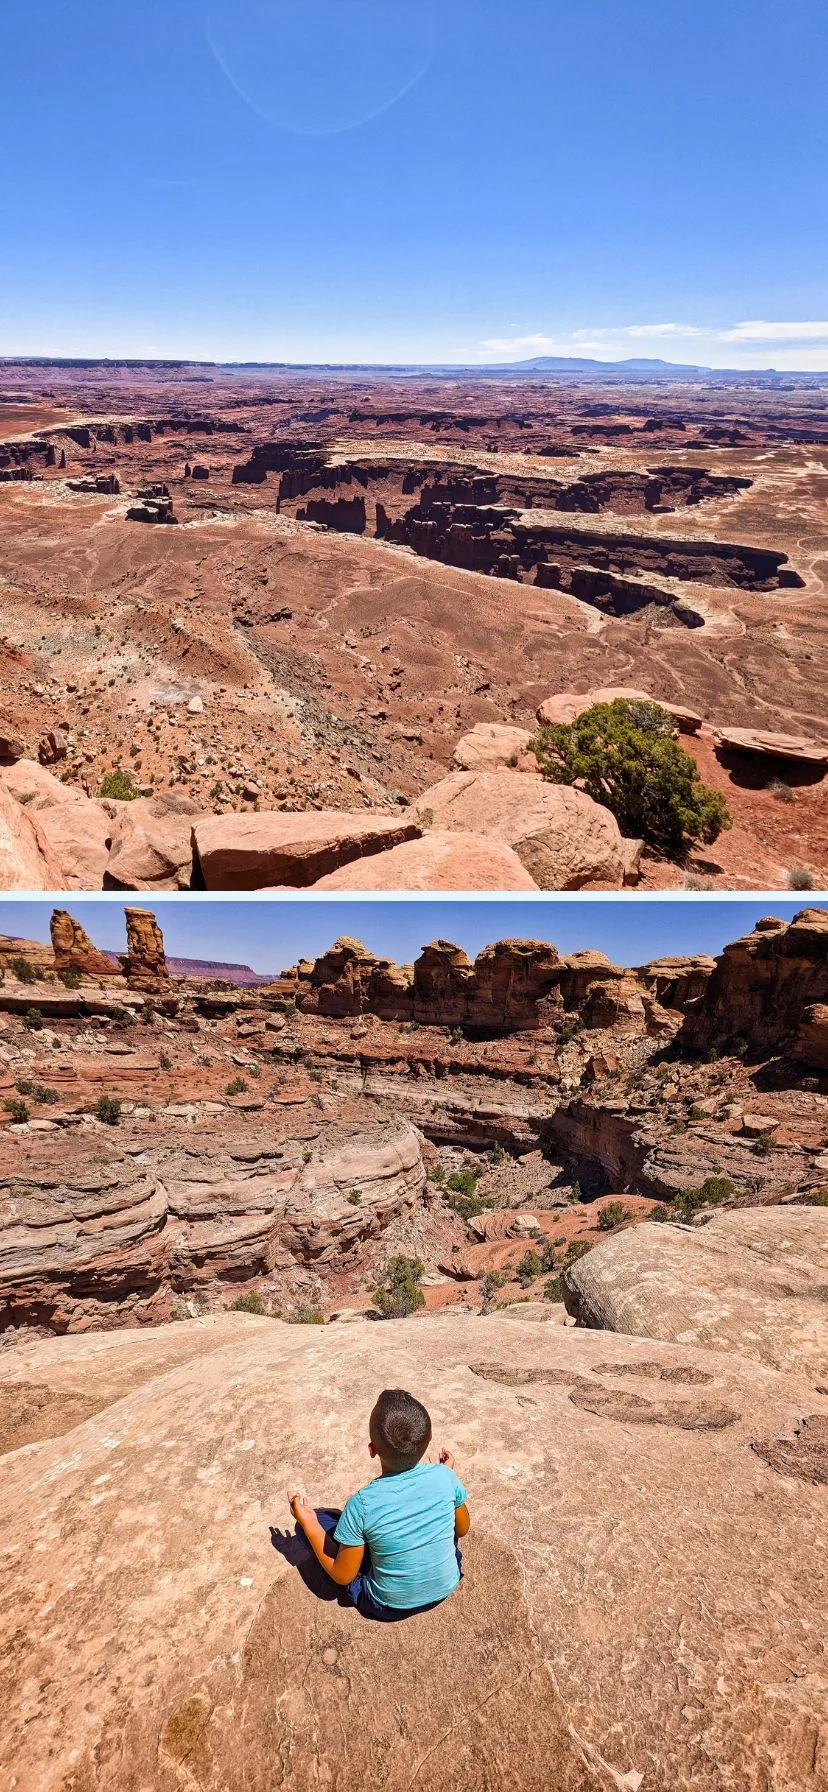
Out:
{"x": 762, "y": 988}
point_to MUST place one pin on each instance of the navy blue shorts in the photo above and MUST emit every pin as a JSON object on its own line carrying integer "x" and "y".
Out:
{"x": 357, "y": 1592}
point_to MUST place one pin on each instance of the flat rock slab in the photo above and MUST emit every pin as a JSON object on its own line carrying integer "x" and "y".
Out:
{"x": 439, "y": 861}
{"x": 563, "y": 839}
{"x": 290, "y": 849}
{"x": 644, "y": 1594}
{"x": 794, "y": 747}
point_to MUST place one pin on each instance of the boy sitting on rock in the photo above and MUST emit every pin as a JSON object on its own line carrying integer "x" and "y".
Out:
{"x": 394, "y": 1548}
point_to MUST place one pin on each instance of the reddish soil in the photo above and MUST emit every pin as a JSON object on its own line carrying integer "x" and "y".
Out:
{"x": 339, "y": 671}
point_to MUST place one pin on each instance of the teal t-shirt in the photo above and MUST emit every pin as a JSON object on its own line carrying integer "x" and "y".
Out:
{"x": 407, "y": 1522}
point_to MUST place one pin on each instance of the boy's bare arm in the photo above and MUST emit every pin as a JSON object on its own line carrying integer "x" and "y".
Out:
{"x": 462, "y": 1519}
{"x": 341, "y": 1562}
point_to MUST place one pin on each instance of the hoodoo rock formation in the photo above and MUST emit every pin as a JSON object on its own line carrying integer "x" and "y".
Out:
{"x": 73, "y": 949}
{"x": 764, "y": 987}
{"x": 145, "y": 963}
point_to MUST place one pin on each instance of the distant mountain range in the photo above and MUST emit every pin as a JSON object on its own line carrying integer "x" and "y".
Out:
{"x": 561, "y": 366}
{"x": 211, "y": 969}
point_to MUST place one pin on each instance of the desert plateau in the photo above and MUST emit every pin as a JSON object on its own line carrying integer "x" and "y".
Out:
{"x": 268, "y": 628}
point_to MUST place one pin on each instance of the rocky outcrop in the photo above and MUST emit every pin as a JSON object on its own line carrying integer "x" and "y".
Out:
{"x": 512, "y": 986}
{"x": 438, "y": 861}
{"x": 113, "y": 1239}
{"x": 160, "y": 1462}
{"x": 145, "y": 963}
{"x": 489, "y": 745}
{"x": 676, "y": 982}
{"x": 791, "y": 749}
{"x": 641, "y": 1148}
{"x": 280, "y": 848}
{"x": 762, "y": 987}
{"x": 73, "y": 949}
{"x": 152, "y": 844}
{"x": 567, "y": 706}
{"x": 76, "y": 827}
{"x": 752, "y": 1282}
{"x": 563, "y": 839}
{"x": 27, "y": 861}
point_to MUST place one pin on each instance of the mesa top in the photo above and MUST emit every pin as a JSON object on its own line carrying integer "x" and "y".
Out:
{"x": 407, "y": 1523}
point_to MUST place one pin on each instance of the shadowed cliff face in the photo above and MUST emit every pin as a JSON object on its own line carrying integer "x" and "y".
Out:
{"x": 627, "y": 1618}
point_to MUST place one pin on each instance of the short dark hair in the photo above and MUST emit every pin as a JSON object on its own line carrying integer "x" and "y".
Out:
{"x": 400, "y": 1428}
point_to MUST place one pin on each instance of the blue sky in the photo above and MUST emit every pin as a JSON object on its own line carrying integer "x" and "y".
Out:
{"x": 272, "y": 935}
{"x": 458, "y": 180}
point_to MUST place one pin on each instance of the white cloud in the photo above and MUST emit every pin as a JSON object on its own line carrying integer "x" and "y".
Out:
{"x": 759, "y": 331}
{"x": 788, "y": 346}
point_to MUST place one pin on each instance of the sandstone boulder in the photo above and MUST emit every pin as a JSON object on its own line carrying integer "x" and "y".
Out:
{"x": 567, "y": 706}
{"x": 645, "y": 1582}
{"x": 27, "y": 861}
{"x": 490, "y": 744}
{"x": 439, "y": 861}
{"x": 12, "y": 744}
{"x": 76, "y": 826}
{"x": 752, "y": 1280}
{"x": 146, "y": 962}
{"x": 290, "y": 849}
{"x": 563, "y": 839}
{"x": 796, "y": 749}
{"x": 152, "y": 844}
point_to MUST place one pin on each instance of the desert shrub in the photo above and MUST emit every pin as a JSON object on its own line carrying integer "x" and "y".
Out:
{"x": 660, "y": 1213}
{"x": 614, "y": 1214}
{"x": 711, "y": 1193}
{"x": 491, "y": 1281}
{"x": 553, "y": 1289}
{"x": 354, "y": 1198}
{"x": 399, "y": 1293}
{"x": 548, "y": 1256}
{"x": 249, "y": 1302}
{"x": 33, "y": 1020}
{"x": 118, "y": 784}
{"x": 763, "y": 1145}
{"x": 238, "y": 1086}
{"x": 108, "y": 1110}
{"x": 463, "y": 1196}
{"x": 818, "y": 1197}
{"x": 528, "y": 1268}
{"x": 17, "y": 1109}
{"x": 578, "y": 1248}
{"x": 165, "y": 1062}
{"x": 38, "y": 1091}
{"x": 70, "y": 978}
{"x": 24, "y": 971}
{"x": 462, "y": 1182}
{"x": 456, "y": 1035}
{"x": 624, "y": 756}
{"x": 497, "y": 1156}
{"x": 781, "y": 790}
{"x": 306, "y": 1316}
{"x": 799, "y": 879}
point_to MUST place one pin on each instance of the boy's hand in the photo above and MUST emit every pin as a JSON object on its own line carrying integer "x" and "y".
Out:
{"x": 299, "y": 1506}
{"x": 447, "y": 1459}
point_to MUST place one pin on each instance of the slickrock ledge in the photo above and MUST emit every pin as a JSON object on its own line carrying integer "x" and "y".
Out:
{"x": 644, "y": 1594}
